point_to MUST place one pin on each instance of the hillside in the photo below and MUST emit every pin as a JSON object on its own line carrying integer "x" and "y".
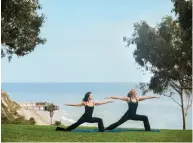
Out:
{"x": 11, "y": 110}
{"x": 8, "y": 108}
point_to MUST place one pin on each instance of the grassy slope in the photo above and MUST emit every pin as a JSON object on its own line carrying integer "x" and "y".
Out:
{"x": 29, "y": 133}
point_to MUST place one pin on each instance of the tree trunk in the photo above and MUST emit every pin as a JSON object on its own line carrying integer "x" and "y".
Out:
{"x": 51, "y": 115}
{"x": 182, "y": 107}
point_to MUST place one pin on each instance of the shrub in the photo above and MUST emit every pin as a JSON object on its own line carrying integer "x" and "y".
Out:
{"x": 20, "y": 120}
{"x": 57, "y": 123}
{"x": 4, "y": 120}
{"x": 32, "y": 121}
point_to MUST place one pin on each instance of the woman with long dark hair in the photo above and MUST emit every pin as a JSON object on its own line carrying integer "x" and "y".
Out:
{"x": 132, "y": 101}
{"x": 87, "y": 116}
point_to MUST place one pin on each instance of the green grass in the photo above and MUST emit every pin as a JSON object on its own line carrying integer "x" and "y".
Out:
{"x": 33, "y": 133}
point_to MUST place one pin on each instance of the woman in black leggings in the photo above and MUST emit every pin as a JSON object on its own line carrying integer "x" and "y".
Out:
{"x": 87, "y": 116}
{"x": 132, "y": 100}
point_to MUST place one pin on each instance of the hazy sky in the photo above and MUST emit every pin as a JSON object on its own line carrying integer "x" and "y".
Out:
{"x": 84, "y": 42}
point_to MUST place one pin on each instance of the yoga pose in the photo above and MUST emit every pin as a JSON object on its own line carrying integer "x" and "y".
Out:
{"x": 132, "y": 100}
{"x": 87, "y": 116}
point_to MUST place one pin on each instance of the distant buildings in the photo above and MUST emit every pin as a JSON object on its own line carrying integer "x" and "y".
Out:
{"x": 36, "y": 106}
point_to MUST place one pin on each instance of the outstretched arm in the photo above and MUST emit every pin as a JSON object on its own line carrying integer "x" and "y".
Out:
{"x": 117, "y": 97}
{"x": 80, "y": 104}
{"x": 147, "y": 97}
{"x": 103, "y": 102}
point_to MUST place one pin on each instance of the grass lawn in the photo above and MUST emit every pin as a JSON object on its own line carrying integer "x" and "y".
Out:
{"x": 33, "y": 133}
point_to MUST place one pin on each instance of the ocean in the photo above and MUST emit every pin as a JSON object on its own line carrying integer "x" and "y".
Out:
{"x": 163, "y": 113}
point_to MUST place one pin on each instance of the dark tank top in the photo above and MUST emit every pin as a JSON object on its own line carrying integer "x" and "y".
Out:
{"x": 88, "y": 111}
{"x": 132, "y": 107}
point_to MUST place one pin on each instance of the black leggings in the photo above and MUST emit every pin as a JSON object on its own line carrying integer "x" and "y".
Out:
{"x": 135, "y": 117}
{"x": 89, "y": 120}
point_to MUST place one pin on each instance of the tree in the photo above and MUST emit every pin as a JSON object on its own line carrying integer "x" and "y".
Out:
{"x": 20, "y": 27}
{"x": 51, "y": 108}
{"x": 165, "y": 51}
{"x": 183, "y": 9}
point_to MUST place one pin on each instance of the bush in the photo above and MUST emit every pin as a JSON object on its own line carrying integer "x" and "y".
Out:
{"x": 4, "y": 120}
{"x": 32, "y": 121}
{"x": 57, "y": 123}
{"x": 20, "y": 120}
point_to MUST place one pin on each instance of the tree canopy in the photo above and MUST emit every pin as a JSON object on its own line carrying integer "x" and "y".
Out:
{"x": 166, "y": 50}
{"x": 20, "y": 27}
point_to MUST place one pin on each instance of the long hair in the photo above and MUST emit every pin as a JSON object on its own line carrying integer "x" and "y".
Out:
{"x": 85, "y": 99}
